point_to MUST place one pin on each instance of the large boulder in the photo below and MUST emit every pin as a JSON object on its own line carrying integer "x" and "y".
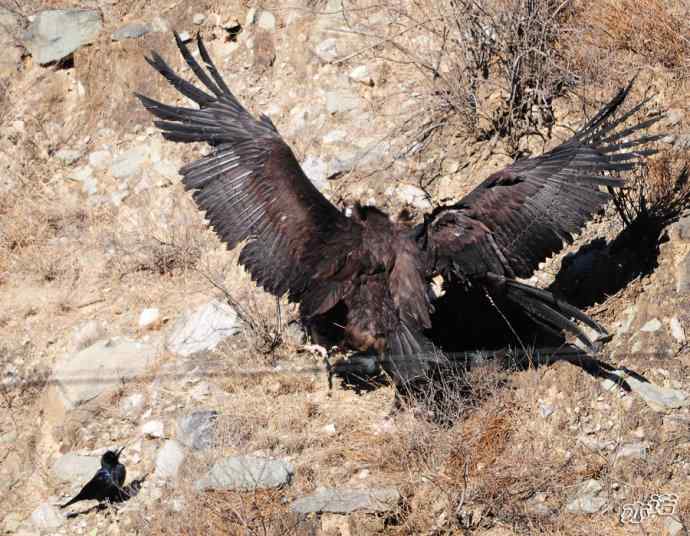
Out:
{"x": 55, "y": 34}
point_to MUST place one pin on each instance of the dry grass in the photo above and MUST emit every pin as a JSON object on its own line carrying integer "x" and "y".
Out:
{"x": 655, "y": 30}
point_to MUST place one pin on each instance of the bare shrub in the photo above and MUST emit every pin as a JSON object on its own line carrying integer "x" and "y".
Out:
{"x": 496, "y": 66}
{"x": 660, "y": 192}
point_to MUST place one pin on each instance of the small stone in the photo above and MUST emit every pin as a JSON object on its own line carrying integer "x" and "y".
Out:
{"x": 133, "y": 30}
{"x": 68, "y": 156}
{"x": 545, "y": 410}
{"x": 169, "y": 458}
{"x": 327, "y": 50}
{"x": 633, "y": 450}
{"x": 87, "y": 334}
{"x": 149, "y": 318}
{"x": 199, "y": 19}
{"x": 677, "y": 331}
{"x": 266, "y": 21}
{"x": 247, "y": 473}
{"x": 132, "y": 405}
{"x": 185, "y": 37}
{"x": 329, "y": 429}
{"x": 47, "y": 517}
{"x": 587, "y": 500}
{"x": 651, "y": 326}
{"x": 361, "y": 74}
{"x": 346, "y": 501}
{"x": 155, "y": 429}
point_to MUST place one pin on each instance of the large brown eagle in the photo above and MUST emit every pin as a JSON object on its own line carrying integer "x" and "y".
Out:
{"x": 367, "y": 274}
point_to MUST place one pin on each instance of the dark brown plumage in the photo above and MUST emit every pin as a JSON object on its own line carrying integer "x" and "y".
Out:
{"x": 367, "y": 273}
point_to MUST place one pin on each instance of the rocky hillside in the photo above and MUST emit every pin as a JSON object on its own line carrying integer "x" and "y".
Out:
{"x": 126, "y": 323}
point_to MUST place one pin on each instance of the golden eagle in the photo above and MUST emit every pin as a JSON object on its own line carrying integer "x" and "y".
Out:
{"x": 367, "y": 273}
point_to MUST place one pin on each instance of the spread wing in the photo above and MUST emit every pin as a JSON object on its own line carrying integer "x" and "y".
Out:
{"x": 524, "y": 213}
{"x": 252, "y": 188}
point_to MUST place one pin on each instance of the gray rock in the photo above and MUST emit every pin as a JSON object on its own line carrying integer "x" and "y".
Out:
{"x": 203, "y": 329}
{"x": 133, "y": 30}
{"x": 47, "y": 517}
{"x": 68, "y": 156}
{"x": 55, "y": 34}
{"x": 199, "y": 19}
{"x": 100, "y": 159}
{"x": 198, "y": 429}
{"x": 247, "y": 473}
{"x": 317, "y": 172}
{"x": 681, "y": 142}
{"x": 327, "y": 50}
{"x": 341, "y": 101}
{"x": 346, "y": 501}
{"x": 587, "y": 499}
{"x": 169, "y": 459}
{"x": 657, "y": 397}
{"x": 677, "y": 331}
{"x": 683, "y": 275}
{"x": 73, "y": 467}
{"x": 636, "y": 450}
{"x": 82, "y": 376}
{"x": 682, "y": 227}
{"x": 129, "y": 163}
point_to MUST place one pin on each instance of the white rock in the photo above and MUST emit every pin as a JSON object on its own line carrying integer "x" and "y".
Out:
{"x": 47, "y": 517}
{"x": 149, "y": 318}
{"x": 334, "y": 136}
{"x": 203, "y": 329}
{"x": 317, "y": 172}
{"x": 155, "y": 429}
{"x": 361, "y": 74}
{"x": 266, "y": 21}
{"x": 587, "y": 500}
{"x": 68, "y": 156}
{"x": 677, "y": 330}
{"x": 327, "y": 50}
{"x": 247, "y": 473}
{"x": 87, "y": 334}
{"x": 132, "y": 405}
{"x": 329, "y": 429}
{"x": 651, "y": 326}
{"x": 633, "y": 450}
{"x": 199, "y": 18}
{"x": 83, "y": 376}
{"x": 73, "y": 467}
{"x": 169, "y": 458}
{"x": 84, "y": 175}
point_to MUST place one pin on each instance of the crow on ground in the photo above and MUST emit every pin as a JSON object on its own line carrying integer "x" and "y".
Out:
{"x": 106, "y": 484}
